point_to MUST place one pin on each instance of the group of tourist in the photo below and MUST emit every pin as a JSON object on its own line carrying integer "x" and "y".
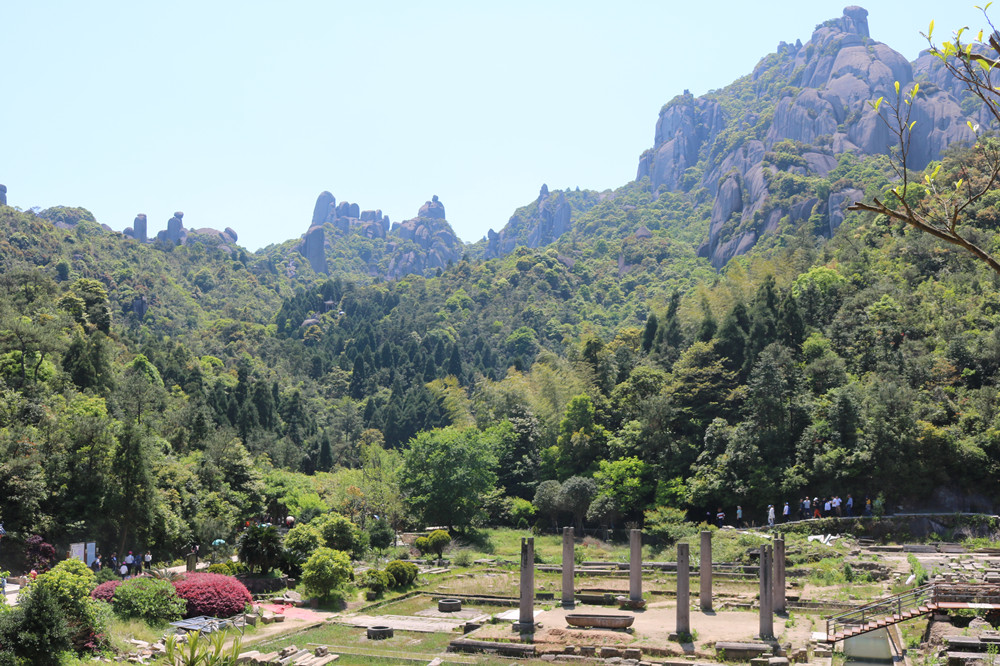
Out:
{"x": 130, "y": 565}
{"x": 832, "y": 506}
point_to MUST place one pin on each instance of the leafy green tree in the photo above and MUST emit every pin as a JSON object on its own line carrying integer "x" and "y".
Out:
{"x": 447, "y": 473}
{"x": 547, "y": 499}
{"x": 381, "y": 535}
{"x": 339, "y": 533}
{"x": 437, "y": 541}
{"x": 581, "y": 440}
{"x": 141, "y": 389}
{"x": 575, "y": 496}
{"x": 302, "y": 540}
{"x": 325, "y": 571}
{"x": 626, "y": 481}
{"x": 131, "y": 493}
{"x": 732, "y": 338}
{"x": 649, "y": 332}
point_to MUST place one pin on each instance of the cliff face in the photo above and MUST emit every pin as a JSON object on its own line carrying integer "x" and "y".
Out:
{"x": 814, "y": 95}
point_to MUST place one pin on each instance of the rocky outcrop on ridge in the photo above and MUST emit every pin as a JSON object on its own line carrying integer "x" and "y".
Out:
{"x": 541, "y": 222}
{"x": 424, "y": 243}
{"x": 814, "y": 95}
{"x": 547, "y": 220}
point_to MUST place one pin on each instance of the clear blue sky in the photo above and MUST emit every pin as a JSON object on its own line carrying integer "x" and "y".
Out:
{"x": 241, "y": 113}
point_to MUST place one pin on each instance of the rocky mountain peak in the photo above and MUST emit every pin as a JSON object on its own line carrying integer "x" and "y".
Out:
{"x": 813, "y": 97}
{"x": 433, "y": 208}
{"x": 855, "y": 21}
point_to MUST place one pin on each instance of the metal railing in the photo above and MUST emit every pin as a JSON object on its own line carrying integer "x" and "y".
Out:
{"x": 898, "y": 604}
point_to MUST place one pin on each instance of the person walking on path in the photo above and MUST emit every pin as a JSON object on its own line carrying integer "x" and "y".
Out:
{"x": 739, "y": 516}
{"x": 770, "y": 515}
{"x": 148, "y": 560}
{"x": 850, "y": 505}
{"x": 786, "y": 514}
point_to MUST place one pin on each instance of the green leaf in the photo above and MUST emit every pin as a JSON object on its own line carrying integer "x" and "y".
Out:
{"x": 878, "y": 103}
{"x": 897, "y": 87}
{"x": 930, "y": 30}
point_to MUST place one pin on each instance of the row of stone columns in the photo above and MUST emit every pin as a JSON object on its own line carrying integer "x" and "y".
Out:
{"x": 772, "y": 580}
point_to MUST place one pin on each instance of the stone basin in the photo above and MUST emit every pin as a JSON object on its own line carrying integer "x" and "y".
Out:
{"x": 600, "y": 621}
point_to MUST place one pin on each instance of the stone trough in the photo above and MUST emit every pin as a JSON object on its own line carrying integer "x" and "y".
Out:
{"x": 600, "y": 621}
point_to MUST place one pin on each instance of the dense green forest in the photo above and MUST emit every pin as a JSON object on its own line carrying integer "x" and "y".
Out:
{"x": 157, "y": 395}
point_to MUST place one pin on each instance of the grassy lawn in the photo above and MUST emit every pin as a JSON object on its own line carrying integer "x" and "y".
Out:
{"x": 402, "y": 642}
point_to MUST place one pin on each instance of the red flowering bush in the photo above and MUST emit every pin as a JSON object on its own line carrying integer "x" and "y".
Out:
{"x": 212, "y": 594}
{"x": 105, "y": 591}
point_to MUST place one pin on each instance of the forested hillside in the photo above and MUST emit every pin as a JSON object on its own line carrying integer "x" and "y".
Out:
{"x": 158, "y": 393}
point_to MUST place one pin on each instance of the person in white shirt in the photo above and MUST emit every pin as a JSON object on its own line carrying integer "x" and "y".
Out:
{"x": 770, "y": 515}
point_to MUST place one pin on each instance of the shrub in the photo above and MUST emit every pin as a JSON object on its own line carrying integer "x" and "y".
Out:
{"x": 668, "y": 525}
{"x": 325, "y": 571}
{"x": 106, "y": 574}
{"x": 463, "y": 558}
{"x": 220, "y": 568}
{"x": 36, "y": 630}
{"x": 376, "y": 580}
{"x": 39, "y": 553}
{"x": 438, "y": 540}
{"x": 70, "y": 582}
{"x": 423, "y": 544}
{"x": 403, "y": 574}
{"x": 152, "y": 600}
{"x": 106, "y": 590}
{"x": 212, "y": 594}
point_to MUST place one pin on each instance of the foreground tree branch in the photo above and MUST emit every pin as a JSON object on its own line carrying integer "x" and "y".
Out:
{"x": 930, "y": 206}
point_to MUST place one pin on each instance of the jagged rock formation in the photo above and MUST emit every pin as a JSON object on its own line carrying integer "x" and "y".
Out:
{"x": 425, "y": 243}
{"x": 433, "y": 209}
{"x": 313, "y": 248}
{"x": 3, "y": 195}
{"x": 175, "y": 232}
{"x": 139, "y": 228}
{"x": 813, "y": 95}
{"x": 435, "y": 241}
{"x": 549, "y": 219}
{"x": 541, "y": 222}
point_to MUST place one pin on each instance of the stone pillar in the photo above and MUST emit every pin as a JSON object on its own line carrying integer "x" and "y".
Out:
{"x": 683, "y": 589}
{"x": 526, "y": 617}
{"x": 568, "y": 569}
{"x": 779, "y": 576}
{"x": 766, "y": 588}
{"x": 705, "y": 571}
{"x": 635, "y": 565}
